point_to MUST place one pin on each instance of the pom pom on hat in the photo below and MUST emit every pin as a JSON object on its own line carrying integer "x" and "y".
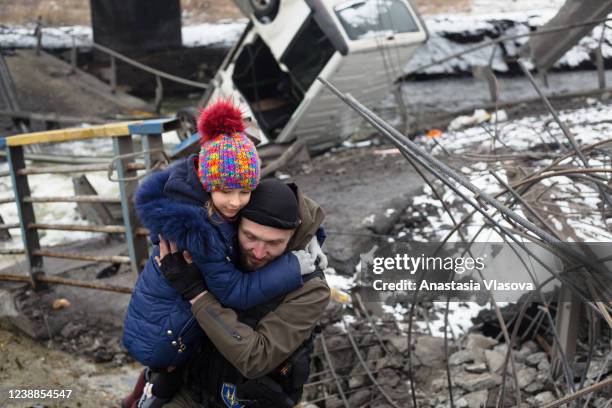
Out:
{"x": 220, "y": 118}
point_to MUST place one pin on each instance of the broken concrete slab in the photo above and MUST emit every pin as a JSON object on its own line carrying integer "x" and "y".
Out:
{"x": 543, "y": 398}
{"x": 534, "y": 359}
{"x": 476, "y": 398}
{"x": 478, "y": 368}
{"x": 430, "y": 350}
{"x": 360, "y": 398}
{"x": 495, "y": 361}
{"x": 477, "y": 340}
{"x": 476, "y": 382}
{"x": 461, "y": 357}
{"x": 526, "y": 376}
{"x": 399, "y": 343}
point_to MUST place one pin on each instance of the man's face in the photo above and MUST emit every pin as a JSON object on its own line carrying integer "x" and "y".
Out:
{"x": 260, "y": 244}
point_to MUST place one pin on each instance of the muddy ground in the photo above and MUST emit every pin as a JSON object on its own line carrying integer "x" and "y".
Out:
{"x": 26, "y": 363}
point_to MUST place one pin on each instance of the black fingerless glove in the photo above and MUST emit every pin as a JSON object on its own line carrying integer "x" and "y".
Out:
{"x": 184, "y": 277}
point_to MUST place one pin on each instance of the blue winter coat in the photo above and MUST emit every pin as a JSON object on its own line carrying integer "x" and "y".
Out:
{"x": 159, "y": 329}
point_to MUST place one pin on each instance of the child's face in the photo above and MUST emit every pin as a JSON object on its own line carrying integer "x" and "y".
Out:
{"x": 230, "y": 201}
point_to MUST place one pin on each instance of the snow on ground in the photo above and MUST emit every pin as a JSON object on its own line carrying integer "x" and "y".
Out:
{"x": 451, "y": 34}
{"x": 578, "y": 202}
{"x": 208, "y": 34}
{"x": 198, "y": 35}
{"x": 489, "y": 19}
{"x": 12, "y": 36}
{"x": 460, "y": 316}
{"x": 497, "y": 6}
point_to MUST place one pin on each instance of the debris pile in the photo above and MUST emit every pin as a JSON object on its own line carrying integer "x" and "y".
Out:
{"x": 368, "y": 363}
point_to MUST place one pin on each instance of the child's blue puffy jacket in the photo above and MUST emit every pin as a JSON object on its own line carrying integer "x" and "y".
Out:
{"x": 159, "y": 329}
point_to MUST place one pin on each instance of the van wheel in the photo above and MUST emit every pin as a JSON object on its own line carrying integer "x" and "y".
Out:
{"x": 265, "y": 10}
{"x": 188, "y": 120}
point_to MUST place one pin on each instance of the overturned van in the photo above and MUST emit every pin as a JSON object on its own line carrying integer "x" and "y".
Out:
{"x": 287, "y": 44}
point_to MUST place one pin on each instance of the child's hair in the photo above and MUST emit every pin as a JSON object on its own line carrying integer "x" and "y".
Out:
{"x": 211, "y": 210}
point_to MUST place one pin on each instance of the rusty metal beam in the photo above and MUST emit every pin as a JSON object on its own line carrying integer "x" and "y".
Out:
{"x": 108, "y": 229}
{"x": 74, "y": 169}
{"x": 79, "y": 257}
{"x": 70, "y": 282}
{"x": 73, "y": 199}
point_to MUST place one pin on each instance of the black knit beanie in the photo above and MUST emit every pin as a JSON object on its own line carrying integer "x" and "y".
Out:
{"x": 273, "y": 204}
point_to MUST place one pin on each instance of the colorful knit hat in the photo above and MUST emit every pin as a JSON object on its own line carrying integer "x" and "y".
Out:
{"x": 228, "y": 158}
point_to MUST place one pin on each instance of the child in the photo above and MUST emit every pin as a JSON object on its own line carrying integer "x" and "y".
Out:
{"x": 195, "y": 204}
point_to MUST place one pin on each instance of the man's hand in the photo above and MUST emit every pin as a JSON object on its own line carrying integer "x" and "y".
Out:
{"x": 314, "y": 249}
{"x": 179, "y": 270}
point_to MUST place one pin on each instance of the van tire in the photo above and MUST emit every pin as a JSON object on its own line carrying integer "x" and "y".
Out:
{"x": 188, "y": 120}
{"x": 265, "y": 10}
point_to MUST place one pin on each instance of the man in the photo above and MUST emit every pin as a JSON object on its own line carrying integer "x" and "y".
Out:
{"x": 257, "y": 357}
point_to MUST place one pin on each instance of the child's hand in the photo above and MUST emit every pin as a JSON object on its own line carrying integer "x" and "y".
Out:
{"x": 306, "y": 261}
{"x": 314, "y": 249}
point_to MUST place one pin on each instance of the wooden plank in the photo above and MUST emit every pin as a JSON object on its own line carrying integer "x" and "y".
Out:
{"x": 4, "y": 230}
{"x": 25, "y": 210}
{"x": 95, "y": 213}
{"x": 65, "y": 135}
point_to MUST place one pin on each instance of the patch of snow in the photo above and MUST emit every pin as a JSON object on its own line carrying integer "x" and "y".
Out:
{"x": 369, "y": 220}
{"x": 479, "y": 116}
{"x": 212, "y": 34}
{"x": 339, "y": 282}
{"x": 577, "y": 202}
{"x": 477, "y": 29}
{"x": 363, "y": 143}
{"x": 460, "y": 316}
{"x": 281, "y": 176}
{"x": 205, "y": 34}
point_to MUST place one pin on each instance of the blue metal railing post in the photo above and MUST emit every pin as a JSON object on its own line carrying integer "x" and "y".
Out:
{"x": 137, "y": 245}
{"x": 25, "y": 210}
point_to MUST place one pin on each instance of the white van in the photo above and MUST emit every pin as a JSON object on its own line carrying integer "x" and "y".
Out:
{"x": 287, "y": 44}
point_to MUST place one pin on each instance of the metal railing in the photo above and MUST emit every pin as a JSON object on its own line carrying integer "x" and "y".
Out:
{"x": 126, "y": 169}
